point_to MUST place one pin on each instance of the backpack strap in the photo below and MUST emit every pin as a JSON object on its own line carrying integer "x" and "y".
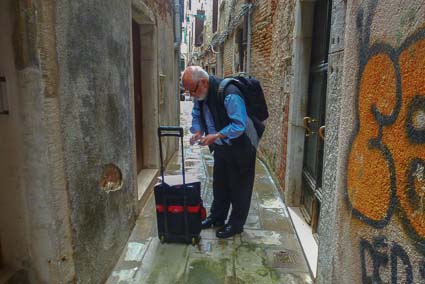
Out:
{"x": 224, "y": 83}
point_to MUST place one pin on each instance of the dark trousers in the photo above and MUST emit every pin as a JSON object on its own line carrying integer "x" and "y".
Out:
{"x": 233, "y": 181}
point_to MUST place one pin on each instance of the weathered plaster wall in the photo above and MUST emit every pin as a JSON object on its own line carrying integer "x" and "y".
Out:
{"x": 210, "y": 61}
{"x": 328, "y": 226}
{"x": 380, "y": 176}
{"x": 167, "y": 64}
{"x": 94, "y": 53}
{"x": 207, "y": 33}
{"x": 71, "y": 115}
{"x": 227, "y": 13}
{"x": 167, "y": 67}
{"x": 96, "y": 95}
{"x": 37, "y": 232}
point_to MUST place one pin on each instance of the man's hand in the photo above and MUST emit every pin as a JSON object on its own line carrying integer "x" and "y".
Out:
{"x": 195, "y": 137}
{"x": 210, "y": 138}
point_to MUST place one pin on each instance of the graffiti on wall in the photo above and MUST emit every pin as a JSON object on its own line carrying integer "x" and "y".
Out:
{"x": 387, "y": 262}
{"x": 386, "y": 163}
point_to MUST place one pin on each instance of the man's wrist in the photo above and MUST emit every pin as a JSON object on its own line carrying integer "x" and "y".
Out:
{"x": 218, "y": 135}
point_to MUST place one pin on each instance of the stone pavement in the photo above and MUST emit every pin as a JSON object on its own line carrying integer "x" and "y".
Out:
{"x": 266, "y": 252}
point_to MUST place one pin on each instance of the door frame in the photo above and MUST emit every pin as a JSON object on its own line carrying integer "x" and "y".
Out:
{"x": 144, "y": 17}
{"x": 137, "y": 92}
{"x": 304, "y": 13}
{"x": 302, "y": 44}
{"x": 311, "y": 193}
{"x": 298, "y": 108}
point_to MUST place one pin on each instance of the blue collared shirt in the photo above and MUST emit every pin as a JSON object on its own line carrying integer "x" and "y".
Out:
{"x": 236, "y": 110}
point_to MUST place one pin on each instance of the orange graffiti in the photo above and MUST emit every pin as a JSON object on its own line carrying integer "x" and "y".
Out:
{"x": 387, "y": 156}
{"x": 412, "y": 70}
{"x": 368, "y": 169}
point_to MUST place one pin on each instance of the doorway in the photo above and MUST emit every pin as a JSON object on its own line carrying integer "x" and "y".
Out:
{"x": 146, "y": 98}
{"x": 314, "y": 121}
{"x": 137, "y": 87}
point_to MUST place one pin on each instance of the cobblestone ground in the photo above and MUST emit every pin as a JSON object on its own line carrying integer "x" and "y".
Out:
{"x": 266, "y": 252}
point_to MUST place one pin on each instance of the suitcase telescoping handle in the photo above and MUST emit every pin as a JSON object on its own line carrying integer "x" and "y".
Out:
{"x": 175, "y": 131}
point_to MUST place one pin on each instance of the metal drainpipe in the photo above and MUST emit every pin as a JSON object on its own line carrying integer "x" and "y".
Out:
{"x": 177, "y": 42}
{"x": 177, "y": 37}
{"x": 248, "y": 52}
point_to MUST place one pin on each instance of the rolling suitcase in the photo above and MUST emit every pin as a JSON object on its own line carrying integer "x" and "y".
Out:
{"x": 179, "y": 207}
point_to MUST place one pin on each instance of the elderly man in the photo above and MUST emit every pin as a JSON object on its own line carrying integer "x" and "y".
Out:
{"x": 223, "y": 125}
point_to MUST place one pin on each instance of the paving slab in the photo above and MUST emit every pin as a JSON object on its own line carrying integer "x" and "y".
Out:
{"x": 162, "y": 263}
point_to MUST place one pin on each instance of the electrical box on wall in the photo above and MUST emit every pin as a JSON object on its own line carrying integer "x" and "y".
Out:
{"x": 4, "y": 103}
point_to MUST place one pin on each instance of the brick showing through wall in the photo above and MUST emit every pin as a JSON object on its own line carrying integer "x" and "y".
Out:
{"x": 271, "y": 63}
{"x": 228, "y": 58}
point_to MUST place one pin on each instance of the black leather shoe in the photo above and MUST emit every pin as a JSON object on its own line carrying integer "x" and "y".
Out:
{"x": 211, "y": 223}
{"x": 228, "y": 231}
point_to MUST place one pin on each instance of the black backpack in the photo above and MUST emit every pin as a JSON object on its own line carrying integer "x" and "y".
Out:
{"x": 253, "y": 96}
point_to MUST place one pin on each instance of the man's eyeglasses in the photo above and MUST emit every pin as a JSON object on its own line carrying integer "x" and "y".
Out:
{"x": 194, "y": 91}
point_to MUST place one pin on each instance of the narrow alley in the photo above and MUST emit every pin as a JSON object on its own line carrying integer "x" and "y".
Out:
{"x": 334, "y": 89}
{"x": 266, "y": 252}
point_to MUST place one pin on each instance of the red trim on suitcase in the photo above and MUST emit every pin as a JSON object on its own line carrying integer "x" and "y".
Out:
{"x": 179, "y": 209}
{"x": 203, "y": 213}
{"x": 175, "y": 209}
{"x": 193, "y": 209}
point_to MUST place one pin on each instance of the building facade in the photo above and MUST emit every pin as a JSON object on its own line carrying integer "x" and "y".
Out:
{"x": 195, "y": 16}
{"x": 345, "y": 136}
{"x": 373, "y": 165}
{"x": 84, "y": 85}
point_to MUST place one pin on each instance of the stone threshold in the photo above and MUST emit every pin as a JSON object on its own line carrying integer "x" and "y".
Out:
{"x": 146, "y": 179}
{"x": 305, "y": 236}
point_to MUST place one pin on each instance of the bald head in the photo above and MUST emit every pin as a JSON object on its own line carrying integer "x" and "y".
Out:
{"x": 194, "y": 74}
{"x": 195, "y": 80}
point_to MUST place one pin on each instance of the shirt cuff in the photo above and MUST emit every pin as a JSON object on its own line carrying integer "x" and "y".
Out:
{"x": 195, "y": 129}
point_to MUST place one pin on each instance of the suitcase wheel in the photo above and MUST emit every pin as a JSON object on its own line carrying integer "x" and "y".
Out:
{"x": 195, "y": 240}
{"x": 162, "y": 239}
